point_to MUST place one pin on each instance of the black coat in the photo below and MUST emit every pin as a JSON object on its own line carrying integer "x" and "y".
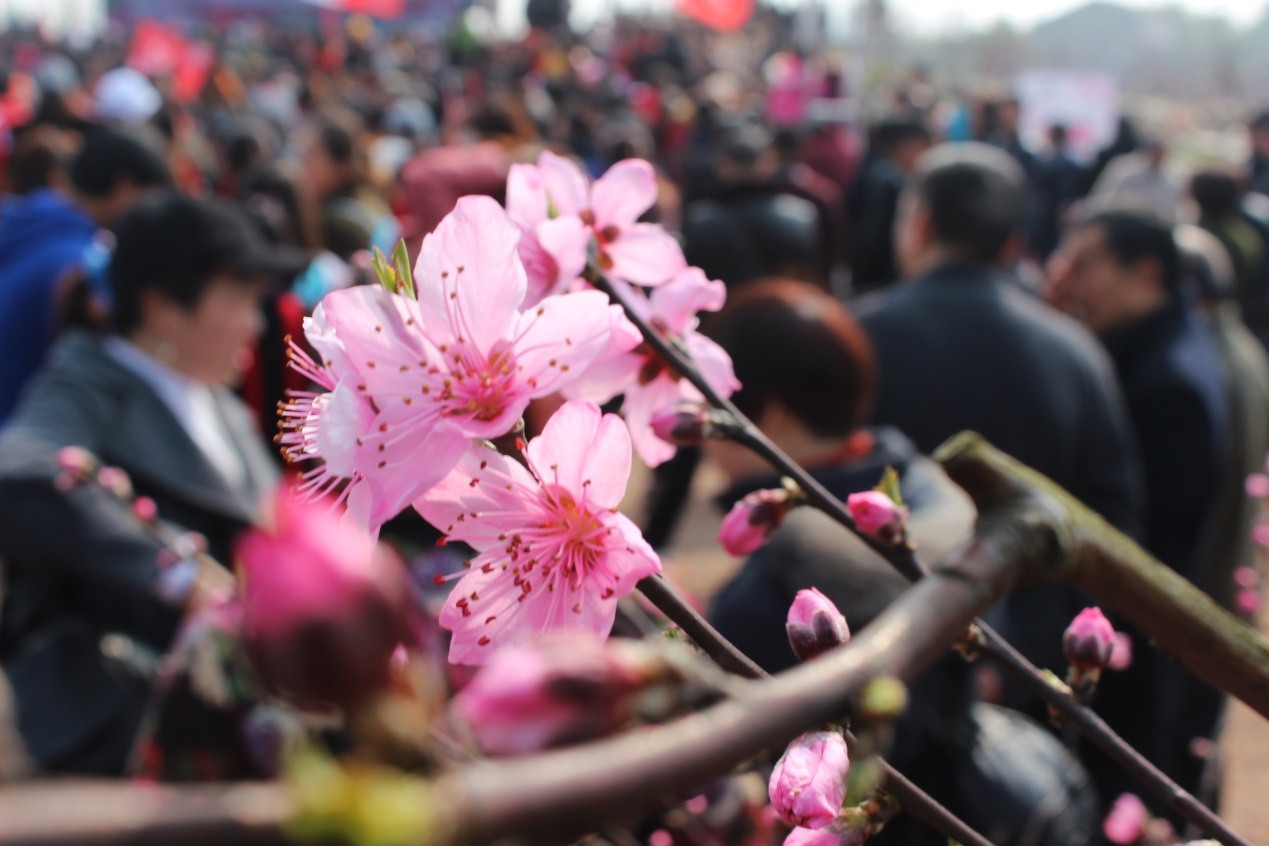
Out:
{"x": 79, "y": 570}
{"x": 1000, "y": 772}
{"x": 1171, "y": 368}
{"x": 965, "y": 348}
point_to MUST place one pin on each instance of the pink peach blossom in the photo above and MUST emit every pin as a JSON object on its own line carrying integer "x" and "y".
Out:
{"x": 752, "y": 521}
{"x": 562, "y": 216}
{"x": 811, "y": 837}
{"x": 408, "y": 384}
{"x": 808, "y": 784}
{"x": 649, "y": 384}
{"x": 1258, "y": 486}
{"x": 1089, "y": 640}
{"x": 553, "y": 551}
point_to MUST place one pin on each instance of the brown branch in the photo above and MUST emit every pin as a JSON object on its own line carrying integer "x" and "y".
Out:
{"x": 915, "y": 801}
{"x": 569, "y": 792}
{"x": 1183, "y": 621}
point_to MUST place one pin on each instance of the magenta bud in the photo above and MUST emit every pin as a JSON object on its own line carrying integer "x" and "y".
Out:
{"x": 1258, "y": 486}
{"x": 1248, "y": 601}
{"x": 1120, "y": 653}
{"x": 753, "y": 520}
{"x": 684, "y": 425}
{"x": 878, "y": 516}
{"x": 145, "y": 509}
{"x": 324, "y": 606}
{"x": 814, "y": 625}
{"x": 1246, "y": 577}
{"x": 811, "y": 837}
{"x": 1260, "y": 534}
{"x": 1126, "y": 823}
{"x": 116, "y": 481}
{"x": 564, "y": 689}
{"x": 77, "y": 461}
{"x": 808, "y": 784}
{"x": 1089, "y": 641}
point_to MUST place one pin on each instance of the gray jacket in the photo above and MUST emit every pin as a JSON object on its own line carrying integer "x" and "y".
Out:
{"x": 79, "y": 569}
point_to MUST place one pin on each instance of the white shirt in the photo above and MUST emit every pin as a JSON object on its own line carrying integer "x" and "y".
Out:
{"x": 190, "y": 402}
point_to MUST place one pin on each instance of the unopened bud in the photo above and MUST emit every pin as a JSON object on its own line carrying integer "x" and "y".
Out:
{"x": 76, "y": 465}
{"x": 116, "y": 481}
{"x": 145, "y": 509}
{"x": 1248, "y": 601}
{"x": 1127, "y": 820}
{"x": 1120, "y": 653}
{"x": 1089, "y": 641}
{"x": 878, "y": 516}
{"x": 814, "y": 625}
{"x": 1258, "y": 486}
{"x": 753, "y": 520}
{"x": 808, "y": 784}
{"x": 684, "y": 425}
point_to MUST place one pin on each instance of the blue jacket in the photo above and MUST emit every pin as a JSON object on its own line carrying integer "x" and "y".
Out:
{"x": 42, "y": 237}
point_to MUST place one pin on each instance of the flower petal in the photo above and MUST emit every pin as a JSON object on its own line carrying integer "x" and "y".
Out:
{"x": 469, "y": 276}
{"x": 526, "y": 195}
{"x": 624, "y": 193}
{"x": 642, "y": 401}
{"x": 558, "y": 455}
{"x": 565, "y": 185}
{"x": 561, "y": 336}
{"x": 645, "y": 254}
{"x": 714, "y": 364}
{"x": 678, "y": 301}
{"x": 478, "y": 514}
{"x": 409, "y": 464}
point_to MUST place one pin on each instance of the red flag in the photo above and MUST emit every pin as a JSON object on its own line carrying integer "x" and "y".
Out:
{"x": 155, "y": 48}
{"x": 724, "y": 15}
{"x": 375, "y": 8}
{"x": 192, "y": 71}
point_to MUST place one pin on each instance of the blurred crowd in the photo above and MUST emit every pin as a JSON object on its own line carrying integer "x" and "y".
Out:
{"x": 902, "y": 267}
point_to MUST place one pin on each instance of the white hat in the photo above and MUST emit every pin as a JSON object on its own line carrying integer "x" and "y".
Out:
{"x": 127, "y": 96}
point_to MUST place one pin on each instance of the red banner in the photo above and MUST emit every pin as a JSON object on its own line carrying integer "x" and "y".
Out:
{"x": 723, "y": 15}
{"x": 158, "y": 50}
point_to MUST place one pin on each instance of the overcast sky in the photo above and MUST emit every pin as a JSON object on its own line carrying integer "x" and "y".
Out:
{"x": 931, "y": 15}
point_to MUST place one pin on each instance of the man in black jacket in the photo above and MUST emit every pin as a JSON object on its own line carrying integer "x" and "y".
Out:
{"x": 961, "y": 346}
{"x": 1120, "y": 271}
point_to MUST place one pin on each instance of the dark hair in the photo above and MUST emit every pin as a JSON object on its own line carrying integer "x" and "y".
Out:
{"x": 793, "y": 344}
{"x": 112, "y": 155}
{"x": 40, "y": 154}
{"x": 975, "y": 194}
{"x": 1216, "y": 192}
{"x": 1134, "y": 235}
{"x": 893, "y": 131}
{"x": 338, "y": 136}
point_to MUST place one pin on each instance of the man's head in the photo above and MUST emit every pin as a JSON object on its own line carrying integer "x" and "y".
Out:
{"x": 903, "y": 140}
{"x": 1113, "y": 266}
{"x": 115, "y": 168}
{"x": 188, "y": 277}
{"x": 965, "y": 204}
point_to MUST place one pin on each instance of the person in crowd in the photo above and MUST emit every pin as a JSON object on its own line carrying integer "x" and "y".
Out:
{"x": 808, "y": 380}
{"x": 960, "y": 346}
{"x": 1007, "y": 136}
{"x": 1141, "y": 178}
{"x": 1121, "y": 273}
{"x": 1218, "y": 196}
{"x": 1228, "y": 535}
{"x": 86, "y": 603}
{"x": 873, "y": 203}
{"x": 352, "y": 218}
{"x": 756, "y": 225}
{"x": 50, "y": 264}
{"x": 1056, "y": 180}
{"x": 1258, "y": 165}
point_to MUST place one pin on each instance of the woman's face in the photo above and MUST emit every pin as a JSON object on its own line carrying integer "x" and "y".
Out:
{"x": 214, "y": 341}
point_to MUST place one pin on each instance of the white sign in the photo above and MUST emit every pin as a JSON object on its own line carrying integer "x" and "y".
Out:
{"x": 1086, "y": 103}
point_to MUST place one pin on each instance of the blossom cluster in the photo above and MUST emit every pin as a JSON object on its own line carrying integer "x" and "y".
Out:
{"x": 412, "y": 381}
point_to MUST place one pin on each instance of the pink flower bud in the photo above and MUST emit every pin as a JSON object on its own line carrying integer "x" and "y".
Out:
{"x": 1120, "y": 653}
{"x": 1246, "y": 577}
{"x": 324, "y": 607}
{"x": 565, "y": 689}
{"x": 76, "y": 464}
{"x": 1258, "y": 486}
{"x": 1248, "y": 601}
{"x": 1260, "y": 534}
{"x": 684, "y": 425}
{"x": 814, "y": 625}
{"x": 116, "y": 481}
{"x": 811, "y": 837}
{"x": 1126, "y": 822}
{"x": 1089, "y": 640}
{"x": 753, "y": 520}
{"x": 878, "y": 516}
{"x": 145, "y": 509}
{"x": 808, "y": 784}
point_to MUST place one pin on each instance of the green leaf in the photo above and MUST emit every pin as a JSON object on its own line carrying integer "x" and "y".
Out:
{"x": 387, "y": 276}
{"x": 405, "y": 274}
{"x": 889, "y": 485}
